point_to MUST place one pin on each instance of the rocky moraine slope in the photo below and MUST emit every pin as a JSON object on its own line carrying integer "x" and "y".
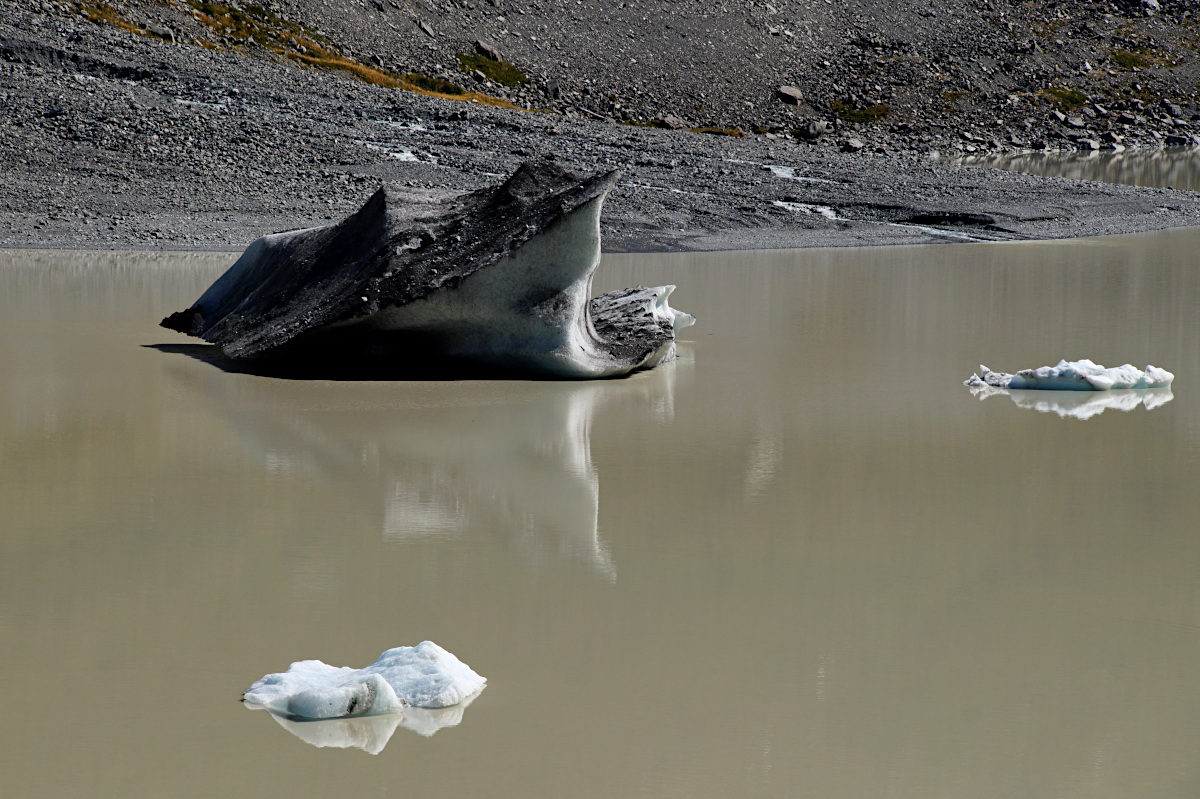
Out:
{"x": 205, "y": 123}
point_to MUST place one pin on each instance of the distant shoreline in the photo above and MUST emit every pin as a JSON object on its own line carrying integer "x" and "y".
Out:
{"x": 119, "y": 141}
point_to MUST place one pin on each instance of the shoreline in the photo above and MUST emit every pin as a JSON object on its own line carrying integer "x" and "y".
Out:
{"x": 117, "y": 141}
{"x": 728, "y": 243}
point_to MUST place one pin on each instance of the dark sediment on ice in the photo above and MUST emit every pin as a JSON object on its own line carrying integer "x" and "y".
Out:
{"x": 498, "y": 278}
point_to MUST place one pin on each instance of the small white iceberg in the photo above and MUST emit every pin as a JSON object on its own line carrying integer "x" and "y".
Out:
{"x": 1082, "y": 375}
{"x": 424, "y": 676}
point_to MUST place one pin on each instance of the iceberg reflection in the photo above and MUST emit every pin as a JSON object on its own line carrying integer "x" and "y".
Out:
{"x": 437, "y": 461}
{"x": 372, "y": 733}
{"x": 1079, "y": 404}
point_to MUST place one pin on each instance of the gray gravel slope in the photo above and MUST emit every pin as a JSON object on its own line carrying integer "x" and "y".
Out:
{"x": 112, "y": 139}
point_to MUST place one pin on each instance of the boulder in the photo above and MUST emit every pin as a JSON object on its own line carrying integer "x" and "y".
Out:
{"x": 790, "y": 95}
{"x": 488, "y": 50}
{"x": 814, "y": 129}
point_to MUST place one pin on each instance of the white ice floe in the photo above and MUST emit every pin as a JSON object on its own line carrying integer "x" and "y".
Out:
{"x": 1082, "y": 375}
{"x": 1079, "y": 404}
{"x": 421, "y": 676}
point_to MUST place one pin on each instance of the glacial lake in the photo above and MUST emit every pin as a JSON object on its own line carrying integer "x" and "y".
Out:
{"x": 803, "y": 560}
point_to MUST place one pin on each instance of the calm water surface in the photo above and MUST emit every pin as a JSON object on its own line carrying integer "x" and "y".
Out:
{"x": 1174, "y": 167}
{"x": 802, "y": 560}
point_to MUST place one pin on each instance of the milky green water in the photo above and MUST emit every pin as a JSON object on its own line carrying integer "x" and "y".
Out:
{"x": 802, "y": 560}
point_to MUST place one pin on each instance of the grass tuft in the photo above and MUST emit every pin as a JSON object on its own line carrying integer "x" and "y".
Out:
{"x": 719, "y": 131}
{"x": 500, "y": 72}
{"x": 304, "y": 47}
{"x": 436, "y": 85}
{"x": 1128, "y": 60}
{"x": 863, "y": 116}
{"x": 1065, "y": 99}
{"x": 104, "y": 14}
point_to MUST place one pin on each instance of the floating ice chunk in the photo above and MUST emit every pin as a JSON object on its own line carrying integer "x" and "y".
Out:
{"x": 421, "y": 676}
{"x": 1082, "y": 375}
{"x": 1079, "y": 404}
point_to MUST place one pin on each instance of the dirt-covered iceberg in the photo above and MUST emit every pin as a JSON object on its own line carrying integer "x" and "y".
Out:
{"x": 498, "y": 278}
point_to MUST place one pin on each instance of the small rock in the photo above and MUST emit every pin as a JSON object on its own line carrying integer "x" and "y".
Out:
{"x": 1088, "y": 144}
{"x": 852, "y": 145}
{"x": 815, "y": 129}
{"x": 790, "y": 95}
{"x": 1108, "y": 137}
{"x": 164, "y": 33}
{"x": 554, "y": 89}
{"x": 1178, "y": 141}
{"x": 1076, "y": 122}
{"x": 424, "y": 26}
{"x": 1172, "y": 108}
{"x": 488, "y": 50}
{"x": 673, "y": 122}
{"x": 1037, "y": 145}
{"x": 1059, "y": 115}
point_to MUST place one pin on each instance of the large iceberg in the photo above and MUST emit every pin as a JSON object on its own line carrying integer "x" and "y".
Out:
{"x": 498, "y": 278}
{"x": 1082, "y": 375}
{"x": 421, "y": 676}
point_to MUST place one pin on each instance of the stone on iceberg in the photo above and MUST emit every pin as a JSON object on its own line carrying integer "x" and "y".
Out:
{"x": 421, "y": 676}
{"x": 1080, "y": 375}
{"x": 498, "y": 278}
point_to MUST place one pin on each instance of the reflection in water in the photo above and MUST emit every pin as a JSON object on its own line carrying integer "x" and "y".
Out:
{"x": 806, "y": 531}
{"x": 1174, "y": 167}
{"x": 372, "y": 733}
{"x": 1079, "y": 404}
{"x": 764, "y": 462}
{"x": 522, "y": 471}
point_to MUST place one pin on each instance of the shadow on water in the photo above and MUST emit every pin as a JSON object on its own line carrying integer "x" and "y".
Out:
{"x": 377, "y": 363}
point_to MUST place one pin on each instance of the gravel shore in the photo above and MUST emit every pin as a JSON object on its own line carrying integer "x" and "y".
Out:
{"x": 114, "y": 138}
